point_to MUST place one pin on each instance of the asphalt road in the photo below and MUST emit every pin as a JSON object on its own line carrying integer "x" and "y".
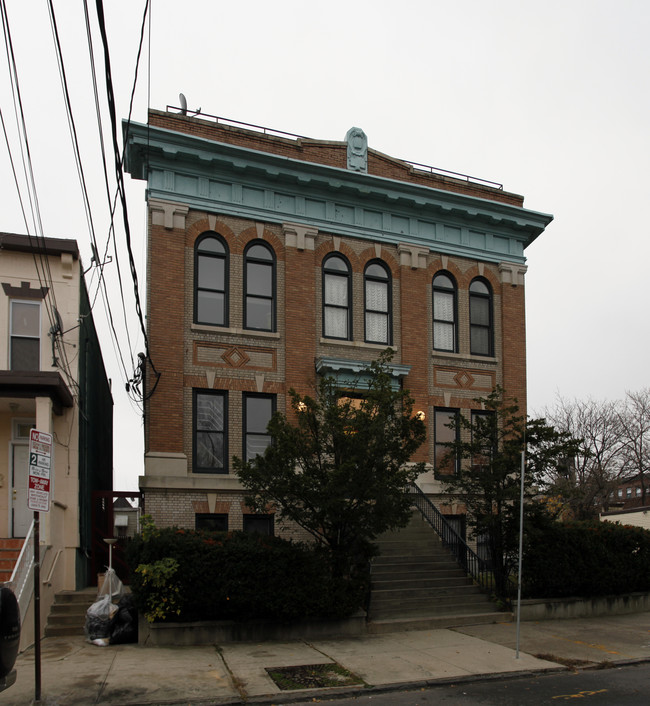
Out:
{"x": 617, "y": 686}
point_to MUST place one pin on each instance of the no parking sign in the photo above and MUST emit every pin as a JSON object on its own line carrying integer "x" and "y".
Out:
{"x": 40, "y": 463}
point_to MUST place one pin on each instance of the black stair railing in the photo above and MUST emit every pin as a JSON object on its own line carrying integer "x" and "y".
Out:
{"x": 472, "y": 564}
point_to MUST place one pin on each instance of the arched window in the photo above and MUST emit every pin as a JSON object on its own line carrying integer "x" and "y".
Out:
{"x": 481, "y": 327}
{"x": 377, "y": 303}
{"x": 211, "y": 280}
{"x": 337, "y": 298}
{"x": 259, "y": 287}
{"x": 445, "y": 329}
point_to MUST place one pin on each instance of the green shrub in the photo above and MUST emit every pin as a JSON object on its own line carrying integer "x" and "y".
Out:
{"x": 239, "y": 576}
{"x": 585, "y": 559}
{"x": 160, "y": 589}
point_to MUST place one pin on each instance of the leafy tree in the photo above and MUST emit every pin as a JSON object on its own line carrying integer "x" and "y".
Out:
{"x": 337, "y": 467}
{"x": 489, "y": 446}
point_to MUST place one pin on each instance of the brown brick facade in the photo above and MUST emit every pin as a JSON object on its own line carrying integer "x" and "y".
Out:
{"x": 195, "y": 358}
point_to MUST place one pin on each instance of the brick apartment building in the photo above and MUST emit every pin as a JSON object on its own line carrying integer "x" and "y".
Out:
{"x": 273, "y": 259}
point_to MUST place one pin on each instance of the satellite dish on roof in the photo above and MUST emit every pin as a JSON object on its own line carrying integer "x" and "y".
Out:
{"x": 183, "y": 101}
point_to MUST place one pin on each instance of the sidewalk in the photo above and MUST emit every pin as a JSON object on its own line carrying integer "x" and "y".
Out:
{"x": 76, "y": 673}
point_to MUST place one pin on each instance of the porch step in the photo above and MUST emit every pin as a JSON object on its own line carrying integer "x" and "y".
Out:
{"x": 437, "y": 622}
{"x": 417, "y": 584}
{"x": 68, "y": 613}
{"x": 9, "y": 553}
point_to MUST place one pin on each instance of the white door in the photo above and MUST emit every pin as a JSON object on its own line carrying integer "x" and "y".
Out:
{"x": 22, "y": 515}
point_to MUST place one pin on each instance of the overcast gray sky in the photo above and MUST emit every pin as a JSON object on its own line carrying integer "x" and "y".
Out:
{"x": 549, "y": 98}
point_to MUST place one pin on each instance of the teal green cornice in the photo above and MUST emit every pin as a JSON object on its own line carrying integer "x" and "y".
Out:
{"x": 355, "y": 374}
{"x": 229, "y": 179}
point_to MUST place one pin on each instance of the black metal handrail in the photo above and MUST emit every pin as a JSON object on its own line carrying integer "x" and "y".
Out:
{"x": 477, "y": 568}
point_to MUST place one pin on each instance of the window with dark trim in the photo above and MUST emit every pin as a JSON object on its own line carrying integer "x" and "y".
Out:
{"x": 445, "y": 308}
{"x": 211, "y": 522}
{"x": 446, "y": 431}
{"x": 337, "y": 298}
{"x": 25, "y": 344}
{"x": 481, "y": 334}
{"x": 484, "y": 435}
{"x": 259, "y": 524}
{"x": 258, "y": 410}
{"x": 259, "y": 287}
{"x": 211, "y": 280}
{"x": 210, "y": 432}
{"x": 378, "y": 303}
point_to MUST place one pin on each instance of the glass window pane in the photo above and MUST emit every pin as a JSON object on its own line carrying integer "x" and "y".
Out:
{"x": 336, "y": 290}
{"x": 480, "y": 311}
{"x": 259, "y": 524}
{"x": 259, "y": 252}
{"x": 209, "y": 522}
{"x": 480, "y": 340}
{"x": 443, "y": 281}
{"x": 25, "y": 319}
{"x": 336, "y": 263}
{"x": 259, "y": 279}
{"x": 443, "y": 336}
{"x": 256, "y": 444}
{"x": 259, "y": 313}
{"x": 209, "y": 450}
{"x": 443, "y": 432}
{"x": 25, "y": 354}
{"x": 211, "y": 245}
{"x": 376, "y": 327}
{"x": 336, "y": 322}
{"x": 443, "y": 306}
{"x": 478, "y": 287}
{"x": 211, "y": 273}
{"x": 376, "y": 270}
{"x": 210, "y": 412}
{"x": 258, "y": 413}
{"x": 377, "y": 296}
{"x": 210, "y": 308}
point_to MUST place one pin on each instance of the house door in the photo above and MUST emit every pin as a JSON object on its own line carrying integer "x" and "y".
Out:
{"x": 22, "y": 515}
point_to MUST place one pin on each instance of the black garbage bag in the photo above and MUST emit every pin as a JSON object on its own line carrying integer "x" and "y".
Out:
{"x": 9, "y": 630}
{"x": 125, "y": 625}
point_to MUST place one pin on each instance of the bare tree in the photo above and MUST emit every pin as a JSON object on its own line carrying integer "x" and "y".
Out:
{"x": 588, "y": 478}
{"x": 634, "y": 434}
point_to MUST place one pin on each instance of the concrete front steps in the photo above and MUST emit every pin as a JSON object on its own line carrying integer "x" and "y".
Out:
{"x": 9, "y": 553}
{"x": 68, "y": 613}
{"x": 417, "y": 584}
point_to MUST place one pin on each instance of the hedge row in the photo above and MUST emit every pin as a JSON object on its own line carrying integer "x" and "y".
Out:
{"x": 585, "y": 559}
{"x": 236, "y": 576}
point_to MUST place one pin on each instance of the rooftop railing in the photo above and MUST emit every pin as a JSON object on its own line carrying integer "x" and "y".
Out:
{"x": 293, "y": 136}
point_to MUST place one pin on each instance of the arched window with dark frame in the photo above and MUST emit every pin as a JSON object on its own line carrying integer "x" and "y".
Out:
{"x": 259, "y": 287}
{"x": 211, "y": 280}
{"x": 481, "y": 318}
{"x": 445, "y": 313}
{"x": 337, "y": 298}
{"x": 378, "y": 303}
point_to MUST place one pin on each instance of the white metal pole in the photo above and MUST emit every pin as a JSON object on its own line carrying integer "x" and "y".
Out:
{"x": 521, "y": 545}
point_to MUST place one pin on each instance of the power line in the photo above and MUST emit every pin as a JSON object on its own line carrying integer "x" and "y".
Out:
{"x": 119, "y": 171}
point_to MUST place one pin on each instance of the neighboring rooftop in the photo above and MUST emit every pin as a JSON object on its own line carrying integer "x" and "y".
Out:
{"x": 49, "y": 246}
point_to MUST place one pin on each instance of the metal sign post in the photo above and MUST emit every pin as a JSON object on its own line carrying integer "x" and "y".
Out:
{"x": 38, "y": 499}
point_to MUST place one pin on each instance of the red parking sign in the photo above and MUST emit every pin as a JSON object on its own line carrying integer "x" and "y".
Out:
{"x": 40, "y": 464}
